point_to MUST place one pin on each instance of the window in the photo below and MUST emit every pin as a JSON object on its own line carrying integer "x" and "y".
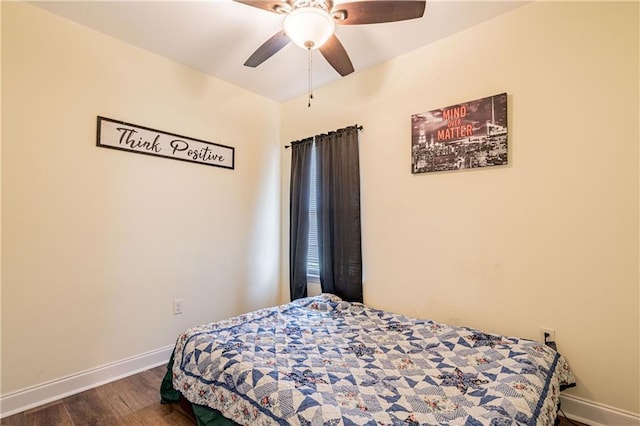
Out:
{"x": 325, "y": 235}
{"x": 313, "y": 259}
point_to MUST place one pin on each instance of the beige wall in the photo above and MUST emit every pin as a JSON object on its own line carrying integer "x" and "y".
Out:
{"x": 550, "y": 240}
{"x": 96, "y": 242}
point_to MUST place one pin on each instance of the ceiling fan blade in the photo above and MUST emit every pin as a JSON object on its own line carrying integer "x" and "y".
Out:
{"x": 377, "y": 11}
{"x": 268, "y": 49}
{"x": 334, "y": 52}
{"x": 275, "y": 6}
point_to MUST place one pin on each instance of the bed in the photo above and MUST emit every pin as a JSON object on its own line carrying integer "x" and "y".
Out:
{"x": 324, "y": 361}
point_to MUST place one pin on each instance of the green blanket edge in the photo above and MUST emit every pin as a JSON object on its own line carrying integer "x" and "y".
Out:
{"x": 205, "y": 416}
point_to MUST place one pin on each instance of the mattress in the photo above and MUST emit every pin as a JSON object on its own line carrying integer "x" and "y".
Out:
{"x": 324, "y": 361}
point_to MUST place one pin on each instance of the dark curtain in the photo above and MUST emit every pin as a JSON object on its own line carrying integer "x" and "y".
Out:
{"x": 299, "y": 216}
{"x": 338, "y": 189}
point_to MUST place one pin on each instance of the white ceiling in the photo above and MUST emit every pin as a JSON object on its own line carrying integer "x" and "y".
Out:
{"x": 217, "y": 36}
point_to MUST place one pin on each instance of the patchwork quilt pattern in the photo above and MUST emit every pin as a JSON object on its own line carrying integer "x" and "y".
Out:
{"x": 324, "y": 361}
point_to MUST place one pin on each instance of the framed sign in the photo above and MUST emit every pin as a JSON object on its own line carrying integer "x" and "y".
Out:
{"x": 468, "y": 135}
{"x": 124, "y": 136}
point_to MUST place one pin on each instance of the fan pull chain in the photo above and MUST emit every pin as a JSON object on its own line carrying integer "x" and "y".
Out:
{"x": 310, "y": 91}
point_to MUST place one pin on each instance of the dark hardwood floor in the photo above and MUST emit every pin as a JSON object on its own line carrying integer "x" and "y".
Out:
{"x": 134, "y": 400}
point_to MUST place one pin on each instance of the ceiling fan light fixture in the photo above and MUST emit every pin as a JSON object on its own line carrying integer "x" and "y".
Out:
{"x": 309, "y": 27}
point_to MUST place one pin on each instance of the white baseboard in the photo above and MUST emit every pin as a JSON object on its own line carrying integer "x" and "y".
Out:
{"x": 596, "y": 414}
{"x": 34, "y": 396}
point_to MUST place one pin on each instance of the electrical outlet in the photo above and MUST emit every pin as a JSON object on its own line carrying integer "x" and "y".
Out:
{"x": 177, "y": 306}
{"x": 550, "y": 331}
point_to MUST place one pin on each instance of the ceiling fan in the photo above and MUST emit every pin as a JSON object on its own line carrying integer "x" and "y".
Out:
{"x": 310, "y": 24}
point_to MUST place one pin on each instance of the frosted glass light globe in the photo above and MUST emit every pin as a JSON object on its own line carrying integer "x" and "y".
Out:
{"x": 309, "y": 27}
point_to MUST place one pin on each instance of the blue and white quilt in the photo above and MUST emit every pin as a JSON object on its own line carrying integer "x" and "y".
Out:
{"x": 324, "y": 361}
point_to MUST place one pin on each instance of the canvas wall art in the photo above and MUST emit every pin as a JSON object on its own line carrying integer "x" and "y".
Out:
{"x": 464, "y": 136}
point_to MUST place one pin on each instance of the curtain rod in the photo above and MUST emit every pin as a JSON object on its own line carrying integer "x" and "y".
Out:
{"x": 356, "y": 126}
